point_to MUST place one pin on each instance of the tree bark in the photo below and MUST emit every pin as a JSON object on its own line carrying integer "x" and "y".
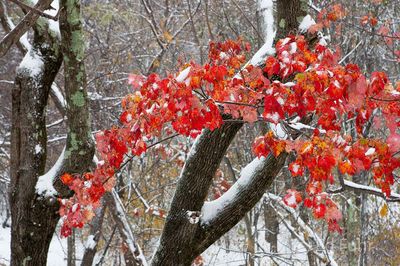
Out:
{"x": 289, "y": 14}
{"x": 34, "y": 217}
{"x": 192, "y": 189}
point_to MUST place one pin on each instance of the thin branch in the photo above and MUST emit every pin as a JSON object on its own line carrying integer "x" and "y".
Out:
{"x": 39, "y": 12}
{"x": 349, "y": 185}
{"x": 23, "y": 26}
{"x": 347, "y": 55}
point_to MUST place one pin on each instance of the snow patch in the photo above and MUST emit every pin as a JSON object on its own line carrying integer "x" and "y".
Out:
{"x": 90, "y": 242}
{"x": 183, "y": 75}
{"x": 295, "y": 168}
{"x": 306, "y": 23}
{"x": 370, "y": 151}
{"x": 38, "y": 149}
{"x": 210, "y": 209}
{"x": 44, "y": 185}
{"x": 33, "y": 63}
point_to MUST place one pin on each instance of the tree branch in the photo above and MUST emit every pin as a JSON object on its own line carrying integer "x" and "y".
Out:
{"x": 230, "y": 208}
{"x": 26, "y": 23}
{"x": 194, "y": 182}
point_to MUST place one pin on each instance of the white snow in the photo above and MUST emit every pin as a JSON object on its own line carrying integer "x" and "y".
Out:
{"x": 278, "y": 130}
{"x": 90, "y": 243}
{"x": 263, "y": 52}
{"x": 38, "y": 149}
{"x": 370, "y": 151}
{"x": 44, "y": 185}
{"x": 54, "y": 25}
{"x": 289, "y": 84}
{"x": 57, "y": 92}
{"x": 369, "y": 188}
{"x": 183, "y": 75}
{"x": 267, "y": 13}
{"x": 193, "y": 217}
{"x": 32, "y": 62}
{"x": 274, "y": 117}
{"x": 300, "y": 126}
{"x": 291, "y": 200}
{"x": 306, "y": 23}
{"x": 295, "y": 168}
{"x": 211, "y": 208}
{"x": 56, "y": 256}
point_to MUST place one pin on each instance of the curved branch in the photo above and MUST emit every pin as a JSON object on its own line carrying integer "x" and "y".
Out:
{"x": 194, "y": 182}
{"x": 230, "y": 208}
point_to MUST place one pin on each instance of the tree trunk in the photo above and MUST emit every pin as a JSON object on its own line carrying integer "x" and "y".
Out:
{"x": 71, "y": 249}
{"x": 289, "y": 15}
{"x": 34, "y": 218}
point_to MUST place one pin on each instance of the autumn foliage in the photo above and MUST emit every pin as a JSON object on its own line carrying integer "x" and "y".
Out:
{"x": 298, "y": 81}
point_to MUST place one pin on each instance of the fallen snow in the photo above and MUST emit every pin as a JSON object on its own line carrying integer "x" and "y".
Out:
{"x": 57, "y": 255}
{"x": 259, "y": 57}
{"x": 267, "y": 13}
{"x": 57, "y": 92}
{"x": 32, "y": 62}
{"x": 44, "y": 185}
{"x": 183, "y": 75}
{"x": 90, "y": 243}
{"x": 306, "y": 23}
{"x": 210, "y": 209}
{"x": 278, "y": 130}
{"x": 369, "y": 188}
{"x": 54, "y": 25}
{"x": 38, "y": 149}
{"x": 370, "y": 151}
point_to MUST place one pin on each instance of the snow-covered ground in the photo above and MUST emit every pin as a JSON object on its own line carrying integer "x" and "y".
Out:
{"x": 57, "y": 253}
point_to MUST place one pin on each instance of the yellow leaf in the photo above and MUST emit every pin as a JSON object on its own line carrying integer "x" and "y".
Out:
{"x": 384, "y": 210}
{"x": 168, "y": 37}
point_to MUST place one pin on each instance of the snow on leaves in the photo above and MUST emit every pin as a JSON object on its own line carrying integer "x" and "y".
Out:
{"x": 297, "y": 82}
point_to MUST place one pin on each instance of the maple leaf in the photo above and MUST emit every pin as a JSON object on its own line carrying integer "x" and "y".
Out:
{"x": 292, "y": 198}
{"x": 136, "y": 81}
{"x": 393, "y": 142}
{"x": 67, "y": 179}
{"x": 383, "y": 210}
{"x": 319, "y": 211}
{"x": 272, "y": 66}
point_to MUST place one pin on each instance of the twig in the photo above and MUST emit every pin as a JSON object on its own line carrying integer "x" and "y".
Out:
{"x": 35, "y": 10}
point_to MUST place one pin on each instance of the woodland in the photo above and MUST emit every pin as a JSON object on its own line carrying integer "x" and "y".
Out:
{"x": 199, "y": 132}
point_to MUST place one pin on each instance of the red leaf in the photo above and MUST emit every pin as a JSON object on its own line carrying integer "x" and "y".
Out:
{"x": 319, "y": 211}
{"x": 292, "y": 198}
{"x": 67, "y": 179}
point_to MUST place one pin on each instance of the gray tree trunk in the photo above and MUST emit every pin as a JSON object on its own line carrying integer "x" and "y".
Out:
{"x": 34, "y": 217}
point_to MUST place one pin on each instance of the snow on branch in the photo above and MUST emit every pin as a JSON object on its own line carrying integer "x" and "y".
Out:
{"x": 124, "y": 228}
{"x": 211, "y": 209}
{"x": 366, "y": 189}
{"x": 25, "y": 24}
{"x": 32, "y": 63}
{"x": 266, "y": 9}
{"x": 44, "y": 185}
{"x": 306, "y": 23}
